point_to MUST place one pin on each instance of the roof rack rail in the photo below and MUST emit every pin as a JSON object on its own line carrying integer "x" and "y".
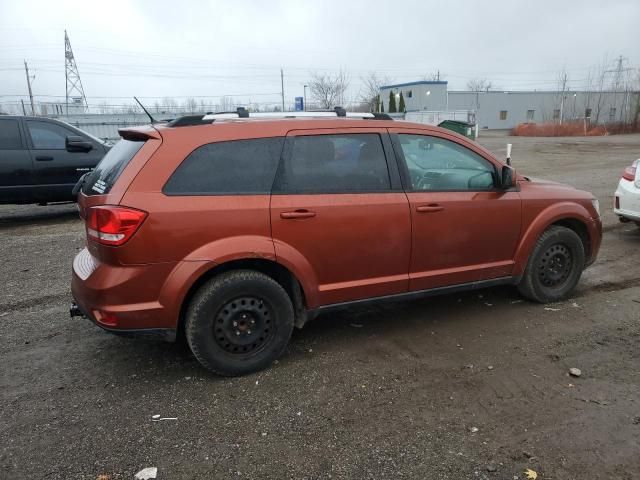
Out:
{"x": 242, "y": 112}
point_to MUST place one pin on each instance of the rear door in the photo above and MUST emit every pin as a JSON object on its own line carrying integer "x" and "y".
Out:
{"x": 339, "y": 210}
{"x": 464, "y": 229}
{"x": 16, "y": 172}
{"x": 56, "y": 169}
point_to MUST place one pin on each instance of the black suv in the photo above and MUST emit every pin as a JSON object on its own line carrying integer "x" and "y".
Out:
{"x": 41, "y": 159}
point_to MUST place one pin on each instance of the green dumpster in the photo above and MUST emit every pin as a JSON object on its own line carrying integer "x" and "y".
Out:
{"x": 463, "y": 128}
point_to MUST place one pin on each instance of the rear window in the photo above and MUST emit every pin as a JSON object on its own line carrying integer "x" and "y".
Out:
{"x": 225, "y": 168}
{"x": 104, "y": 176}
{"x": 9, "y": 135}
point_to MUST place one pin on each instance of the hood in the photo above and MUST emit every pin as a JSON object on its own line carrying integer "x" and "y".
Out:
{"x": 544, "y": 181}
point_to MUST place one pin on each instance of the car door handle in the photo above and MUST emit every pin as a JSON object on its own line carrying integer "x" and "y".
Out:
{"x": 297, "y": 214}
{"x": 44, "y": 158}
{"x": 431, "y": 208}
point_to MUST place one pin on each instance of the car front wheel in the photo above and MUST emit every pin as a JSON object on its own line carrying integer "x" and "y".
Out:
{"x": 239, "y": 322}
{"x": 554, "y": 267}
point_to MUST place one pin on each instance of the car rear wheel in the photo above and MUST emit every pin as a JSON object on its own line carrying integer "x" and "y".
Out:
{"x": 239, "y": 322}
{"x": 554, "y": 267}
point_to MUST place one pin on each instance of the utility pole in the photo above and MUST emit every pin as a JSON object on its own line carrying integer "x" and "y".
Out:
{"x": 24, "y": 111}
{"x": 619, "y": 82}
{"x": 305, "y": 98}
{"x": 72, "y": 77}
{"x": 26, "y": 70}
{"x": 282, "y": 87}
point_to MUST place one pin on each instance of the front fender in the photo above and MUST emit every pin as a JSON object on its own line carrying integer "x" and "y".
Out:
{"x": 545, "y": 218}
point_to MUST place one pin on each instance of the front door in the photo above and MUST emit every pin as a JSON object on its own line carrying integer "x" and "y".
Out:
{"x": 56, "y": 169}
{"x": 464, "y": 229}
{"x": 340, "y": 215}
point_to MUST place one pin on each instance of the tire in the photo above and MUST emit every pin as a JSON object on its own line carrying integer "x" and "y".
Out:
{"x": 239, "y": 322}
{"x": 554, "y": 267}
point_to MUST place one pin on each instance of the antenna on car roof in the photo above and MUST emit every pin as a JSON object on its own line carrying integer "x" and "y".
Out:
{"x": 153, "y": 120}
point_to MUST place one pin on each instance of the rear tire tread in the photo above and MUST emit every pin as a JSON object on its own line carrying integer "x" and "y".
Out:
{"x": 211, "y": 288}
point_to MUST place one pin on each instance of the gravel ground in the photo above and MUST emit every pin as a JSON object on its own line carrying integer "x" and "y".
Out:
{"x": 461, "y": 386}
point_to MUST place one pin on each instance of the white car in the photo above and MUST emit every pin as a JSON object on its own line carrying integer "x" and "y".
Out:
{"x": 627, "y": 197}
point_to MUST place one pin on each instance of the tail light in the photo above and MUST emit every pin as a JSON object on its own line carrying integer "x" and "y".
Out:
{"x": 111, "y": 225}
{"x": 630, "y": 172}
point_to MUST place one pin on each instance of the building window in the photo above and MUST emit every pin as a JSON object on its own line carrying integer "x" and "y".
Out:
{"x": 612, "y": 113}
{"x": 587, "y": 112}
{"x": 409, "y": 94}
{"x": 503, "y": 114}
{"x": 556, "y": 114}
{"x": 530, "y": 114}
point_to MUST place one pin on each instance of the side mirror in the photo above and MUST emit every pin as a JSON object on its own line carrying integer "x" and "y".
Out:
{"x": 77, "y": 144}
{"x": 507, "y": 178}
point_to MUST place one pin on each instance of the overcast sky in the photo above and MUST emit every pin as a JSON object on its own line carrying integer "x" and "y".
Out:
{"x": 208, "y": 49}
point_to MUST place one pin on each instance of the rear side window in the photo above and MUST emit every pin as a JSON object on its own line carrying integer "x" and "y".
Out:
{"x": 10, "y": 135}
{"x": 339, "y": 163}
{"x": 104, "y": 176}
{"x": 238, "y": 166}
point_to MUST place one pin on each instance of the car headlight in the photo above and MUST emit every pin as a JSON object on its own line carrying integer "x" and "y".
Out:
{"x": 596, "y": 205}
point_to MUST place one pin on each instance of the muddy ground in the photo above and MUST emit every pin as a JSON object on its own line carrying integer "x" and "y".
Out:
{"x": 462, "y": 386}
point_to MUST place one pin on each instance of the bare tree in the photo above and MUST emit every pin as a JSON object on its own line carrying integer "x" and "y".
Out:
{"x": 479, "y": 85}
{"x": 434, "y": 76}
{"x": 370, "y": 93}
{"x": 190, "y": 105}
{"x": 599, "y": 83}
{"x": 329, "y": 90}
{"x": 170, "y": 104}
{"x": 226, "y": 104}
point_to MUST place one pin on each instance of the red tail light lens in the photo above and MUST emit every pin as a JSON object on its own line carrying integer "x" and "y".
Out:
{"x": 112, "y": 225}
{"x": 629, "y": 173}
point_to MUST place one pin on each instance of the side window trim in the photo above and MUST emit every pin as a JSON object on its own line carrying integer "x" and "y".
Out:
{"x": 391, "y": 164}
{"x": 404, "y": 169}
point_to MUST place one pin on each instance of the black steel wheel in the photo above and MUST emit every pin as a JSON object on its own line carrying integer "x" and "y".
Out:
{"x": 239, "y": 322}
{"x": 554, "y": 267}
{"x": 242, "y": 325}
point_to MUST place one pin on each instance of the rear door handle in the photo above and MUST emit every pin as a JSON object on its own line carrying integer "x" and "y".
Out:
{"x": 44, "y": 158}
{"x": 431, "y": 208}
{"x": 297, "y": 214}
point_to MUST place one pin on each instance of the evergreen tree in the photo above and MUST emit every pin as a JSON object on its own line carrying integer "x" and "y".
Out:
{"x": 401, "y": 106}
{"x": 381, "y": 107}
{"x": 392, "y": 103}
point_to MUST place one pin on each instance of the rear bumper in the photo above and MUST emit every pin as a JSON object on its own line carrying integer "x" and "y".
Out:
{"x": 122, "y": 299}
{"x": 628, "y": 199}
{"x": 164, "y": 334}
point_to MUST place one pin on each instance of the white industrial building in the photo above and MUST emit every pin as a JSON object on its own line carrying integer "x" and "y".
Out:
{"x": 506, "y": 109}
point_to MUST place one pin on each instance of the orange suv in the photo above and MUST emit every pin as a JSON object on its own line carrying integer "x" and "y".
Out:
{"x": 234, "y": 228}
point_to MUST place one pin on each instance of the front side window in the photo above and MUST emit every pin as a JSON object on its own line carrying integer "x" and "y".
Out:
{"x": 47, "y": 136}
{"x": 436, "y": 164}
{"x": 10, "y": 135}
{"x": 233, "y": 167}
{"x": 340, "y": 163}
